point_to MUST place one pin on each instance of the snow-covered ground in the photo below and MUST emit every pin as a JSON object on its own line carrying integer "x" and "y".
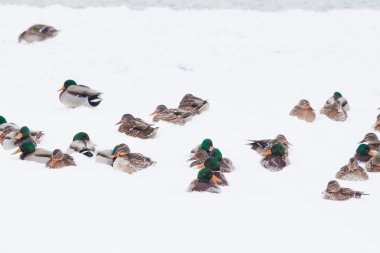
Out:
{"x": 253, "y": 67}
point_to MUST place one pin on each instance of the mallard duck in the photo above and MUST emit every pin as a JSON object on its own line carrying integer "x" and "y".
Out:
{"x": 31, "y": 153}
{"x": 73, "y": 95}
{"x": 275, "y": 159}
{"x": 303, "y": 111}
{"x": 136, "y": 127}
{"x": 37, "y": 135}
{"x": 205, "y": 182}
{"x": 193, "y": 104}
{"x": 38, "y": 33}
{"x": 58, "y": 160}
{"x": 364, "y": 153}
{"x": 261, "y": 146}
{"x": 198, "y": 158}
{"x": 82, "y": 144}
{"x": 175, "y": 116}
{"x": 373, "y": 165}
{"x": 23, "y": 135}
{"x": 372, "y": 141}
{"x": 337, "y": 96}
{"x": 376, "y": 126}
{"x": 334, "y": 111}
{"x": 214, "y": 165}
{"x": 130, "y": 162}
{"x": 7, "y": 137}
{"x": 206, "y": 145}
{"x": 352, "y": 171}
{"x": 106, "y": 156}
{"x": 335, "y": 192}
{"x": 225, "y": 163}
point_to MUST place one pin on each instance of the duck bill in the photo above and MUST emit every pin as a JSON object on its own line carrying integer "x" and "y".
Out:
{"x": 211, "y": 148}
{"x": 372, "y": 153}
{"x": 215, "y": 179}
{"x": 118, "y": 123}
{"x": 115, "y": 155}
{"x": 18, "y": 136}
{"x": 362, "y": 141}
{"x": 61, "y": 89}
{"x": 201, "y": 166}
{"x": 17, "y": 151}
{"x": 288, "y": 143}
{"x": 53, "y": 163}
{"x": 266, "y": 153}
{"x": 154, "y": 113}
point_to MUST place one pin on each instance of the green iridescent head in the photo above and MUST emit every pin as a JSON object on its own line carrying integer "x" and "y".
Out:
{"x": 363, "y": 149}
{"x": 205, "y": 174}
{"x": 81, "y": 136}
{"x": 278, "y": 149}
{"x": 2, "y": 120}
{"x": 24, "y": 131}
{"x": 27, "y": 148}
{"x": 212, "y": 164}
{"x": 69, "y": 83}
{"x": 217, "y": 154}
{"x": 118, "y": 147}
{"x": 206, "y": 145}
{"x": 337, "y": 95}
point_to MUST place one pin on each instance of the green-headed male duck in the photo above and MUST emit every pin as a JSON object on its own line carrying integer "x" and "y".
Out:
{"x": 193, "y": 104}
{"x": 337, "y": 96}
{"x": 24, "y": 135}
{"x": 38, "y": 33}
{"x": 225, "y": 163}
{"x": 335, "y": 192}
{"x": 205, "y": 182}
{"x": 372, "y": 141}
{"x": 82, "y": 144}
{"x": 275, "y": 159}
{"x": 206, "y": 145}
{"x": 130, "y": 162}
{"x": 352, "y": 171}
{"x": 334, "y": 111}
{"x": 136, "y": 127}
{"x": 214, "y": 165}
{"x": 31, "y": 153}
{"x": 59, "y": 159}
{"x": 175, "y": 116}
{"x": 37, "y": 135}
{"x": 364, "y": 153}
{"x": 73, "y": 95}
{"x": 303, "y": 111}
{"x": 107, "y": 156}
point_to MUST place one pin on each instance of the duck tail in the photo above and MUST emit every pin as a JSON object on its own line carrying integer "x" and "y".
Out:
{"x": 94, "y": 100}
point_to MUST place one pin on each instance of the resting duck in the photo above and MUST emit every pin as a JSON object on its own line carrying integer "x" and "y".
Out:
{"x": 193, "y": 104}
{"x": 106, "y": 156}
{"x": 205, "y": 182}
{"x": 198, "y": 158}
{"x": 130, "y": 162}
{"x": 31, "y": 153}
{"x": 335, "y": 192}
{"x": 372, "y": 141}
{"x": 136, "y": 127}
{"x": 334, "y": 111}
{"x": 23, "y": 135}
{"x": 373, "y": 165}
{"x": 175, "y": 116}
{"x": 37, "y": 135}
{"x": 376, "y": 126}
{"x": 303, "y": 111}
{"x": 225, "y": 163}
{"x": 82, "y": 144}
{"x": 7, "y": 137}
{"x": 206, "y": 145}
{"x": 352, "y": 171}
{"x": 213, "y": 164}
{"x": 364, "y": 153}
{"x": 73, "y": 95}
{"x": 337, "y": 96}
{"x": 275, "y": 159}
{"x": 58, "y": 160}
{"x": 38, "y": 33}
{"x": 261, "y": 146}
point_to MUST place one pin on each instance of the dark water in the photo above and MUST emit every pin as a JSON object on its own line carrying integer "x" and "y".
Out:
{"x": 266, "y": 5}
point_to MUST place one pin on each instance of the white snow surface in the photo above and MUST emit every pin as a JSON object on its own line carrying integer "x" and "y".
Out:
{"x": 253, "y": 67}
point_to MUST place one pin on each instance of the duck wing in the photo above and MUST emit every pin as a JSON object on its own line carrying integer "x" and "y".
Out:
{"x": 82, "y": 91}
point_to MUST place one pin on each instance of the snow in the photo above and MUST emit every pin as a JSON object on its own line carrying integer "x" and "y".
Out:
{"x": 253, "y": 67}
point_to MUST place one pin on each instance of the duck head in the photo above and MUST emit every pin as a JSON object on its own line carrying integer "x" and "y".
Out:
{"x": 122, "y": 151}
{"x": 370, "y": 138}
{"x": 57, "y": 156}
{"x": 353, "y": 164}
{"x": 81, "y": 136}
{"x": 364, "y": 149}
{"x": 23, "y": 133}
{"x": 207, "y": 145}
{"x": 337, "y": 95}
{"x": 118, "y": 148}
{"x": 26, "y": 148}
{"x": 304, "y": 104}
{"x": 158, "y": 110}
{"x": 2, "y": 120}
{"x": 125, "y": 118}
{"x": 67, "y": 84}
{"x": 333, "y": 186}
{"x": 217, "y": 154}
{"x": 206, "y": 174}
{"x": 277, "y": 149}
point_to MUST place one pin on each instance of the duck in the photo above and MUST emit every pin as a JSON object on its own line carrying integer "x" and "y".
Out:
{"x": 4, "y": 123}
{"x": 37, "y": 135}
{"x": 29, "y": 152}
{"x": 7, "y": 137}
{"x": 334, "y": 111}
{"x": 261, "y": 146}
{"x": 23, "y": 135}
{"x": 205, "y": 182}
{"x": 198, "y": 158}
{"x": 376, "y": 126}
{"x": 82, "y": 144}
{"x": 352, "y": 171}
{"x": 193, "y": 104}
{"x": 364, "y": 153}
{"x": 214, "y": 165}
{"x": 335, "y": 192}
{"x": 38, "y": 33}
{"x": 175, "y": 116}
{"x": 59, "y": 159}
{"x": 131, "y": 162}
{"x": 73, "y": 95}
{"x": 275, "y": 159}
{"x": 136, "y": 127}
{"x": 373, "y": 165}
{"x": 206, "y": 145}
{"x": 105, "y": 156}
{"x": 226, "y": 165}
{"x": 337, "y": 96}
{"x": 303, "y": 111}
{"x": 372, "y": 141}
